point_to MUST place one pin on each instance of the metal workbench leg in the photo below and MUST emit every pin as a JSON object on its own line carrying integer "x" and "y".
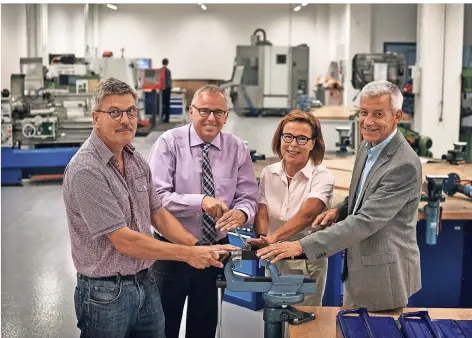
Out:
{"x": 220, "y": 317}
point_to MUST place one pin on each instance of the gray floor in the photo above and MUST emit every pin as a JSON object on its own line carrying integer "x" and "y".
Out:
{"x": 37, "y": 274}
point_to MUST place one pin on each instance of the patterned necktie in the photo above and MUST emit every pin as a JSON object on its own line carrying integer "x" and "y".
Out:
{"x": 208, "y": 224}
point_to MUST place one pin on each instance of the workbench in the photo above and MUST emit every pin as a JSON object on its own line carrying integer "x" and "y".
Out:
{"x": 446, "y": 266}
{"x": 325, "y": 323}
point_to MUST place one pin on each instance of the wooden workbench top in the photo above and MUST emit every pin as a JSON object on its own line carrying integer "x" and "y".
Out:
{"x": 343, "y": 113}
{"x": 325, "y": 323}
{"x": 457, "y": 207}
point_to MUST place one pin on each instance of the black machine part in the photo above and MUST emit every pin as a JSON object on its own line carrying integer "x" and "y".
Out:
{"x": 363, "y": 68}
{"x": 453, "y": 185}
{"x": 264, "y": 41}
{"x": 435, "y": 185}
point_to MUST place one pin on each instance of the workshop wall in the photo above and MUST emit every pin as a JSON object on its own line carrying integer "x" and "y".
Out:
{"x": 13, "y": 40}
{"x": 393, "y": 23}
{"x": 66, "y": 29}
{"x": 202, "y": 44}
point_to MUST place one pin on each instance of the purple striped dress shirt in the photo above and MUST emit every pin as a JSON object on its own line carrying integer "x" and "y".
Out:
{"x": 176, "y": 166}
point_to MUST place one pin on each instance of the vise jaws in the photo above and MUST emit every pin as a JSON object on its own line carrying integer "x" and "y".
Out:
{"x": 432, "y": 209}
{"x": 280, "y": 292}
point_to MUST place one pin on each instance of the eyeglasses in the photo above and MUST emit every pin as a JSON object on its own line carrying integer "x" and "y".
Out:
{"x": 205, "y": 112}
{"x": 301, "y": 140}
{"x": 116, "y": 114}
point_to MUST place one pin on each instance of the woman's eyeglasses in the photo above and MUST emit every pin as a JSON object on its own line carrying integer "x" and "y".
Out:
{"x": 301, "y": 139}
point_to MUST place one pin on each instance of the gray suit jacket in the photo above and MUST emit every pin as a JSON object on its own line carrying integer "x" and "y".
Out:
{"x": 383, "y": 256}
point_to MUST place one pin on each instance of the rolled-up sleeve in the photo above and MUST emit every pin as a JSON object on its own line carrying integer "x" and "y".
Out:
{"x": 322, "y": 186}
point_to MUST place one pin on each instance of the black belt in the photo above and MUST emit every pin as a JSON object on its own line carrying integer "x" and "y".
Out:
{"x": 138, "y": 276}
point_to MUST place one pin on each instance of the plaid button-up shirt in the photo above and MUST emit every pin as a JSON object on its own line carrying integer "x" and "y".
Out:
{"x": 100, "y": 200}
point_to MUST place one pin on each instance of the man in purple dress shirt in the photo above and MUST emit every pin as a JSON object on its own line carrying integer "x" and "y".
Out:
{"x": 206, "y": 179}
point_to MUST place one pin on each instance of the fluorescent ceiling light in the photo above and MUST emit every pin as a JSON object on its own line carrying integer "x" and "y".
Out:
{"x": 112, "y": 7}
{"x": 203, "y": 7}
{"x": 296, "y": 9}
{"x": 304, "y": 4}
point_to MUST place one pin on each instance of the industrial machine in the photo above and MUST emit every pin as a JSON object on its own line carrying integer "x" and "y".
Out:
{"x": 267, "y": 79}
{"x": 368, "y": 67}
{"x": 433, "y": 210}
{"x": 280, "y": 292}
{"x": 454, "y": 184}
{"x": 7, "y": 127}
{"x": 421, "y": 144}
{"x": 44, "y": 119}
{"x": 458, "y": 155}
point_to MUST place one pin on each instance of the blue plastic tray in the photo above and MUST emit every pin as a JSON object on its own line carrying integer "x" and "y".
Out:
{"x": 364, "y": 326}
{"x": 419, "y": 325}
{"x": 466, "y": 327}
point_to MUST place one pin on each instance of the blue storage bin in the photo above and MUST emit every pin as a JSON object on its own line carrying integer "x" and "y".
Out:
{"x": 418, "y": 325}
{"x": 466, "y": 327}
{"x": 365, "y": 326}
{"x": 449, "y": 328}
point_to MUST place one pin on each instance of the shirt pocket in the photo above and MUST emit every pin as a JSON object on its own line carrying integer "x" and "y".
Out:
{"x": 141, "y": 188}
{"x": 225, "y": 189}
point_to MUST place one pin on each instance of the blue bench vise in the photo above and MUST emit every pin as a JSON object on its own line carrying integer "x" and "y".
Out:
{"x": 280, "y": 291}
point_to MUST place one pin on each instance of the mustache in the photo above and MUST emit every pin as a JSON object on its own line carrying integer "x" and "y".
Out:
{"x": 124, "y": 128}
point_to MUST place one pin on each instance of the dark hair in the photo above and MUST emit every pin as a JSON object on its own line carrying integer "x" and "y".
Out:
{"x": 165, "y": 62}
{"x": 317, "y": 153}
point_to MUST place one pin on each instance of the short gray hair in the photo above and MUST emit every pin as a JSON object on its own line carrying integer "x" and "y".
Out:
{"x": 381, "y": 88}
{"x": 210, "y": 89}
{"x": 110, "y": 86}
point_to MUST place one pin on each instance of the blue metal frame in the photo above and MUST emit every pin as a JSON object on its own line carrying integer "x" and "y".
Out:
{"x": 23, "y": 163}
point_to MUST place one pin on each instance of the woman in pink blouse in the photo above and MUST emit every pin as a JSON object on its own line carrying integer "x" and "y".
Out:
{"x": 294, "y": 191}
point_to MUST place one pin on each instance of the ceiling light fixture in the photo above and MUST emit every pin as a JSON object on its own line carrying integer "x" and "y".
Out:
{"x": 203, "y": 7}
{"x": 304, "y": 4}
{"x": 112, "y": 7}
{"x": 296, "y": 9}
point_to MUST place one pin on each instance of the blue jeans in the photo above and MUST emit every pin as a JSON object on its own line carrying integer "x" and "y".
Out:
{"x": 119, "y": 309}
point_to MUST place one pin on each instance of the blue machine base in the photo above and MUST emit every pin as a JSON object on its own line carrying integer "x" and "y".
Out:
{"x": 446, "y": 267}
{"x": 18, "y": 164}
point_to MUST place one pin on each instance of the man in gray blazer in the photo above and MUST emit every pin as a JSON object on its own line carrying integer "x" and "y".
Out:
{"x": 376, "y": 223}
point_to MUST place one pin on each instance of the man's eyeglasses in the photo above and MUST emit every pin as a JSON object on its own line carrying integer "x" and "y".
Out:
{"x": 116, "y": 114}
{"x": 205, "y": 112}
{"x": 301, "y": 140}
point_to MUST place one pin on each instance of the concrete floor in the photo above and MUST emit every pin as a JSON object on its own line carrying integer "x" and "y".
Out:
{"x": 37, "y": 274}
